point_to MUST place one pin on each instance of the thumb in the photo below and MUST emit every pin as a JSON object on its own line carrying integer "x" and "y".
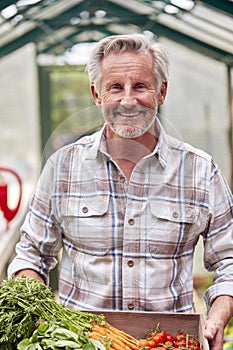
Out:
{"x": 214, "y": 333}
{"x": 210, "y": 330}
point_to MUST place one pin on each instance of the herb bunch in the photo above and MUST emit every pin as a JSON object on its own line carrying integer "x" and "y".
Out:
{"x": 24, "y": 303}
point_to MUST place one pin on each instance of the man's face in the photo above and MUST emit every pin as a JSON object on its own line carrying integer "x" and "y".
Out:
{"x": 128, "y": 93}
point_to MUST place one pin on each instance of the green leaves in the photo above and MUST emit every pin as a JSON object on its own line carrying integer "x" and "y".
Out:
{"x": 27, "y": 345}
{"x": 21, "y": 309}
{"x": 54, "y": 337}
{"x": 24, "y": 303}
{"x": 96, "y": 344}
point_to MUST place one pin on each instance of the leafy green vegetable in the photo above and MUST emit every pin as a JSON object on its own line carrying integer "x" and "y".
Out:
{"x": 52, "y": 336}
{"x": 24, "y": 303}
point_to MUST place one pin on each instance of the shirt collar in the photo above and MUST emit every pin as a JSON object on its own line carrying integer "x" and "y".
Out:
{"x": 161, "y": 148}
{"x": 96, "y": 144}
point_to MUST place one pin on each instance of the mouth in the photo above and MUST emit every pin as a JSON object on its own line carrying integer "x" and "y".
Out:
{"x": 129, "y": 113}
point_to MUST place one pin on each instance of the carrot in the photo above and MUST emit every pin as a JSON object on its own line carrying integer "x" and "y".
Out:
{"x": 128, "y": 337}
{"x": 119, "y": 339}
{"x": 106, "y": 332}
{"x": 99, "y": 329}
{"x": 106, "y": 341}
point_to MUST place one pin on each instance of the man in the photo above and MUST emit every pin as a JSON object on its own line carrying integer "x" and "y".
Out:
{"x": 127, "y": 204}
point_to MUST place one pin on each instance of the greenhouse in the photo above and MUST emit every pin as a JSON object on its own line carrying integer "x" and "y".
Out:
{"x": 46, "y": 102}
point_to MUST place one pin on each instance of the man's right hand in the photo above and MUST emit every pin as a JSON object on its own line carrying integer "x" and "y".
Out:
{"x": 28, "y": 273}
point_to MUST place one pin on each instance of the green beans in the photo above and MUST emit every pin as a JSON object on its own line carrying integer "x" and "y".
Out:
{"x": 24, "y": 303}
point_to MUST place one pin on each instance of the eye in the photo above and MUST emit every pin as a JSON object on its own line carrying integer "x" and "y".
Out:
{"x": 139, "y": 86}
{"x": 115, "y": 87}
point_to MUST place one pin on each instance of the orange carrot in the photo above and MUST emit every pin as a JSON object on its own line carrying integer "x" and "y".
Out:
{"x": 119, "y": 339}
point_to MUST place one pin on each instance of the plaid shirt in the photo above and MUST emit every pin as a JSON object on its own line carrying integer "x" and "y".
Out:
{"x": 129, "y": 245}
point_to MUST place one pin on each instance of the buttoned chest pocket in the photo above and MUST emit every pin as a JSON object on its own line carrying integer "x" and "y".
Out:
{"x": 86, "y": 224}
{"x": 174, "y": 231}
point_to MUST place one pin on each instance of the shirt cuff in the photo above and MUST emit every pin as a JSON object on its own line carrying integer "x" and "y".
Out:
{"x": 214, "y": 291}
{"x": 15, "y": 266}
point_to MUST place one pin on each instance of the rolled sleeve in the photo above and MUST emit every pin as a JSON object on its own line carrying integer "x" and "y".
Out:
{"x": 40, "y": 240}
{"x": 219, "y": 239}
{"x": 224, "y": 288}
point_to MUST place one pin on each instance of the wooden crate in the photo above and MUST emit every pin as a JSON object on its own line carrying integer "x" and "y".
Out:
{"x": 138, "y": 324}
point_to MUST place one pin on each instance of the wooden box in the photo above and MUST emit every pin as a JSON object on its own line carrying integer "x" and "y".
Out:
{"x": 138, "y": 324}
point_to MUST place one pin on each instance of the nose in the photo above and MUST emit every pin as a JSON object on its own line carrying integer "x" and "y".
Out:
{"x": 128, "y": 99}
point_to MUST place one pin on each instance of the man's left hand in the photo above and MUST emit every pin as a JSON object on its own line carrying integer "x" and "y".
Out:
{"x": 219, "y": 315}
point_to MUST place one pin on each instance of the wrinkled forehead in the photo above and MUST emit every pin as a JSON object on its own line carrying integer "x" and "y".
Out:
{"x": 127, "y": 58}
{"x": 127, "y": 67}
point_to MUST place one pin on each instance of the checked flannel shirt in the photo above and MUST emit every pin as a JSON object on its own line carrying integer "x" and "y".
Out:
{"x": 129, "y": 245}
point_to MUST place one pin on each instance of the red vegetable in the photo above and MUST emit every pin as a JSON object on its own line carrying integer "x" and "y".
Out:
{"x": 158, "y": 339}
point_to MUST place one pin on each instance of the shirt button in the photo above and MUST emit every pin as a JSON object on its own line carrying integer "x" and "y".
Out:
{"x": 130, "y": 263}
{"x": 122, "y": 179}
{"x": 130, "y": 306}
{"x": 175, "y": 214}
{"x": 131, "y": 222}
{"x": 84, "y": 210}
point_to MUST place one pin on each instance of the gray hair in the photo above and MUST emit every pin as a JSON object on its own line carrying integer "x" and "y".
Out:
{"x": 138, "y": 43}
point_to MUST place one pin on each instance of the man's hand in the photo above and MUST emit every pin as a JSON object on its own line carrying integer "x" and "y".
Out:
{"x": 219, "y": 315}
{"x": 28, "y": 273}
{"x": 214, "y": 332}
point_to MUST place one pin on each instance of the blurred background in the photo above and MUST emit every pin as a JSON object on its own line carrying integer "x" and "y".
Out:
{"x": 45, "y": 100}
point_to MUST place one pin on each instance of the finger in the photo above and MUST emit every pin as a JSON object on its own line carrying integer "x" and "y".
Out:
{"x": 214, "y": 333}
{"x": 210, "y": 330}
{"x": 216, "y": 343}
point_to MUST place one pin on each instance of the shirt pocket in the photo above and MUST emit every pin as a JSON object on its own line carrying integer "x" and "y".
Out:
{"x": 86, "y": 225}
{"x": 174, "y": 230}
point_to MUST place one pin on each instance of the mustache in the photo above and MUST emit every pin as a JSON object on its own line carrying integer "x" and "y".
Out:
{"x": 130, "y": 110}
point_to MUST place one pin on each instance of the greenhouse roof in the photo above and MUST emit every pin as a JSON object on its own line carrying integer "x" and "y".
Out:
{"x": 57, "y": 25}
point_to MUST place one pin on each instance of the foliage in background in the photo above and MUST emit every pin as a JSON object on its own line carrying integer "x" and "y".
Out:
{"x": 69, "y": 92}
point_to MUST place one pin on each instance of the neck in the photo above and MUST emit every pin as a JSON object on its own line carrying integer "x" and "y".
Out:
{"x": 128, "y": 152}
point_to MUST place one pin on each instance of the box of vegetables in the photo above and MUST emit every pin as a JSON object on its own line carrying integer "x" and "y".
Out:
{"x": 32, "y": 319}
{"x": 176, "y": 330}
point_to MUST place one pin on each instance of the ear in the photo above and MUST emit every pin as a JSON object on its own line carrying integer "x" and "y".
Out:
{"x": 162, "y": 93}
{"x": 95, "y": 95}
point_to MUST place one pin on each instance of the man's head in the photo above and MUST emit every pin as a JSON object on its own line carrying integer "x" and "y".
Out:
{"x": 128, "y": 76}
{"x": 137, "y": 43}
